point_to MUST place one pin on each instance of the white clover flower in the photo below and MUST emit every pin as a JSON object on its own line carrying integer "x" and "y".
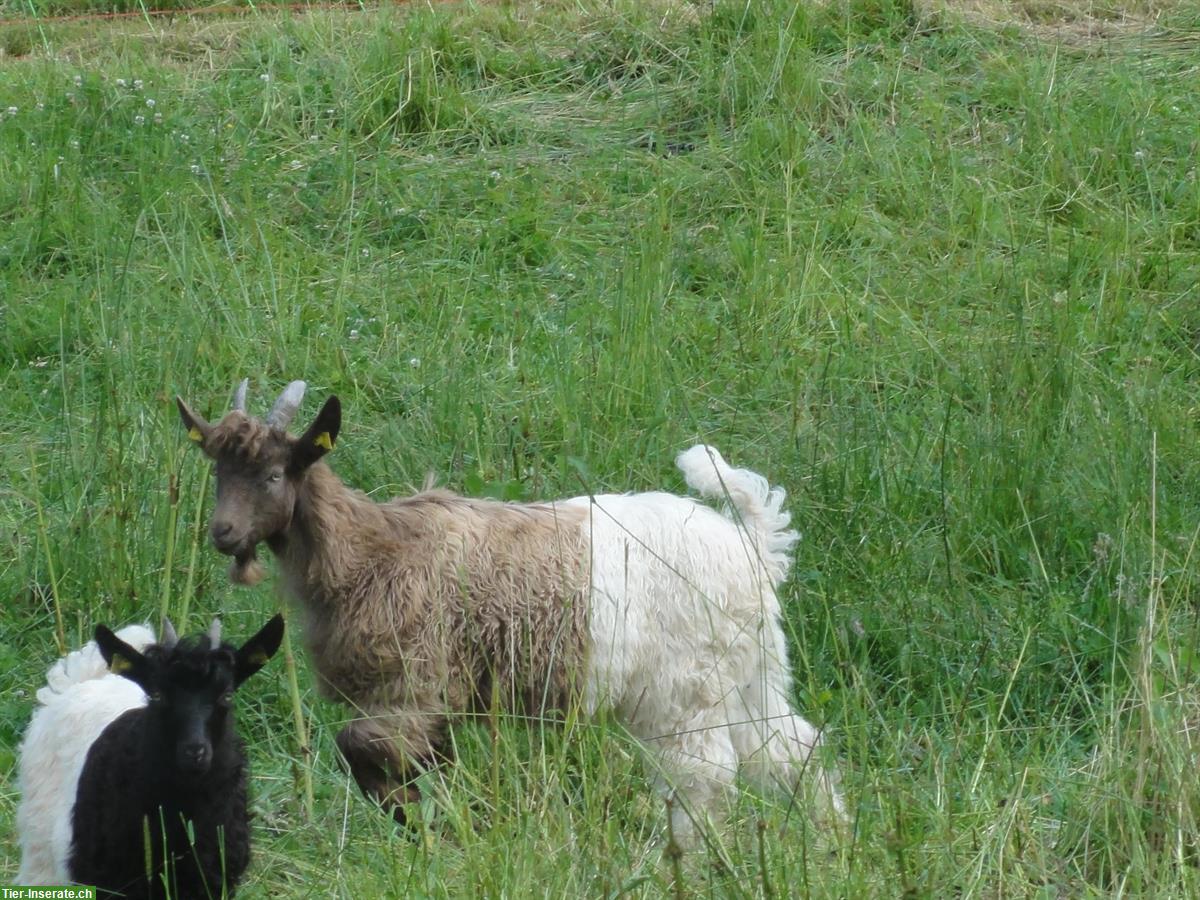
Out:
{"x": 158, "y": 118}
{"x": 78, "y": 79}
{"x": 150, "y": 102}
{"x": 137, "y": 84}
{"x": 121, "y": 82}
{"x": 12, "y": 110}
{"x": 414, "y": 363}
{"x": 195, "y": 169}
{"x": 295, "y": 164}
{"x": 354, "y": 334}
{"x": 139, "y": 120}
{"x": 1139, "y": 154}
{"x": 264, "y": 77}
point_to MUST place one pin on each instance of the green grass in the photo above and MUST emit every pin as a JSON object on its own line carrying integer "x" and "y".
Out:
{"x": 939, "y": 281}
{"x": 14, "y": 9}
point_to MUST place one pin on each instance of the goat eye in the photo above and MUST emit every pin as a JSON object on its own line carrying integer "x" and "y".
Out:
{"x": 275, "y": 477}
{"x": 226, "y": 698}
{"x": 155, "y": 696}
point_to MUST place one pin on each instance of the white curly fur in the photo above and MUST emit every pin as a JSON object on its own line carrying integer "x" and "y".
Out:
{"x": 80, "y": 699}
{"x": 686, "y": 644}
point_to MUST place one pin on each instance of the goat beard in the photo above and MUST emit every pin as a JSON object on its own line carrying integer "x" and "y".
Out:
{"x": 246, "y": 569}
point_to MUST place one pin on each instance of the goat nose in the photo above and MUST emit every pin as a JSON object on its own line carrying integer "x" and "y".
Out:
{"x": 195, "y": 754}
{"x": 223, "y": 534}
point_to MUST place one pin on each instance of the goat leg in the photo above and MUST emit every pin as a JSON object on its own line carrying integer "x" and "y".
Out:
{"x": 383, "y": 773}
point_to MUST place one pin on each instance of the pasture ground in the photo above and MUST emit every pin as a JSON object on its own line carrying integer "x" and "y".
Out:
{"x": 933, "y": 270}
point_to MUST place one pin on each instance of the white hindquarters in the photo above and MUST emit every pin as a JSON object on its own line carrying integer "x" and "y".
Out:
{"x": 79, "y": 700}
{"x": 686, "y": 642}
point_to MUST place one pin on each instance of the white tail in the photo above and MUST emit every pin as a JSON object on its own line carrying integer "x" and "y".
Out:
{"x": 86, "y": 663}
{"x": 758, "y": 504}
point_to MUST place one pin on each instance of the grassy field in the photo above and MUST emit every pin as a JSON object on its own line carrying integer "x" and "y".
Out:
{"x": 938, "y": 279}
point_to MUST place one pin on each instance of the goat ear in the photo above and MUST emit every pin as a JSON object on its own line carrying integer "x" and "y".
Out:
{"x": 253, "y": 654}
{"x": 320, "y": 437}
{"x": 121, "y": 658}
{"x": 197, "y": 428}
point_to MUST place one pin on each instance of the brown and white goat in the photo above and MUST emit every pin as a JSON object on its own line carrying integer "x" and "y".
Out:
{"x": 423, "y": 608}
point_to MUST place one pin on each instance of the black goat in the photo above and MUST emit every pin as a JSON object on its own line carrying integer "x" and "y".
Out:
{"x": 159, "y": 807}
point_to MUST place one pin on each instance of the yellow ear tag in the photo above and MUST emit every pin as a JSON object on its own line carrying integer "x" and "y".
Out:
{"x": 194, "y": 434}
{"x": 119, "y": 664}
{"x": 257, "y": 658}
{"x": 323, "y": 440}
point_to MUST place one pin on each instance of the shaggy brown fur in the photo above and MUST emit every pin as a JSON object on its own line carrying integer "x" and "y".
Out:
{"x": 433, "y": 596}
{"x": 415, "y": 609}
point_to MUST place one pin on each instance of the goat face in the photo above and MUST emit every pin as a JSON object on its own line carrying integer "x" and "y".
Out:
{"x": 258, "y": 468}
{"x": 255, "y": 498}
{"x": 190, "y": 686}
{"x": 189, "y": 707}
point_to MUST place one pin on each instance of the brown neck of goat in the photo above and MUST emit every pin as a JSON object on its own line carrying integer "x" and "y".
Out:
{"x": 331, "y": 528}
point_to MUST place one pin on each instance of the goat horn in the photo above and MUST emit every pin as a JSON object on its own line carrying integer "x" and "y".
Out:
{"x": 169, "y": 637}
{"x": 214, "y": 634}
{"x": 285, "y": 407}
{"x": 239, "y": 396}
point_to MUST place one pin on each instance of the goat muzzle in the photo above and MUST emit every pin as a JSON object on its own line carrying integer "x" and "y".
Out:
{"x": 194, "y": 758}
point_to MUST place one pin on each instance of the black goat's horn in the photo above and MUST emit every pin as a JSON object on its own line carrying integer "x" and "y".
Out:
{"x": 169, "y": 637}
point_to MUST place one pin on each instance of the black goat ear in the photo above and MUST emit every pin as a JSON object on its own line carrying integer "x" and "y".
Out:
{"x": 320, "y": 437}
{"x": 121, "y": 658}
{"x": 253, "y": 654}
{"x": 197, "y": 429}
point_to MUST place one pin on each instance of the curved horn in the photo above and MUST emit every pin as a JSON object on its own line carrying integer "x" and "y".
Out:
{"x": 214, "y": 633}
{"x": 285, "y": 407}
{"x": 239, "y": 396}
{"x": 169, "y": 638}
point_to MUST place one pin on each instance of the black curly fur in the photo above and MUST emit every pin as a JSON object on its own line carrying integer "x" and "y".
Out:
{"x": 147, "y": 822}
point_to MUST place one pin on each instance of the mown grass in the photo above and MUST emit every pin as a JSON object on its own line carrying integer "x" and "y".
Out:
{"x": 937, "y": 280}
